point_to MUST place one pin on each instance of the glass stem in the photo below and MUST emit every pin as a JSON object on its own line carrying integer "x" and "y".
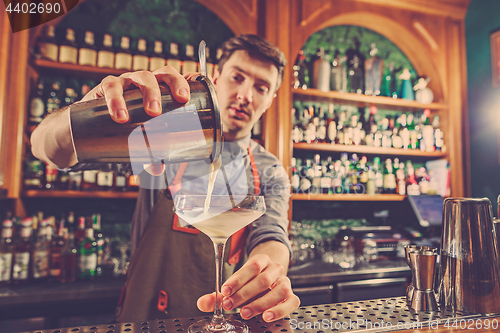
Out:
{"x": 218, "y": 317}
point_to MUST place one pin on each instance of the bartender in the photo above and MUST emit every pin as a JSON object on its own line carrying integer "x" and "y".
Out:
{"x": 163, "y": 281}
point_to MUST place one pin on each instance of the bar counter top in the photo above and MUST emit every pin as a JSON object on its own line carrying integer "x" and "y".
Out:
{"x": 378, "y": 315}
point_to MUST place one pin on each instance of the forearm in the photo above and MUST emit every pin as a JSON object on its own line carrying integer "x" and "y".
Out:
{"x": 51, "y": 140}
{"x": 276, "y": 251}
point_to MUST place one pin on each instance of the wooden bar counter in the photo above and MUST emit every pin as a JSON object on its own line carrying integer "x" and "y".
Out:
{"x": 378, "y": 315}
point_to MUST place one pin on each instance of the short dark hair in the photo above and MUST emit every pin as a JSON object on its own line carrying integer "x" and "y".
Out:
{"x": 256, "y": 47}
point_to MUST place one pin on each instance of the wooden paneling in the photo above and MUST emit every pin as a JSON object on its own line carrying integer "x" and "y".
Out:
{"x": 5, "y": 35}
{"x": 239, "y": 15}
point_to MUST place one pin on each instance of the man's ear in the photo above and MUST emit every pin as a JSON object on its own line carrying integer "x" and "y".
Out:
{"x": 216, "y": 75}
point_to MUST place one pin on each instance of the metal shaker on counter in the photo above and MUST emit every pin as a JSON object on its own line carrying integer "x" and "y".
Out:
{"x": 469, "y": 273}
{"x": 183, "y": 132}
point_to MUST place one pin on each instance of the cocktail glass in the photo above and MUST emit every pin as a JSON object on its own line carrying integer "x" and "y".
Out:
{"x": 226, "y": 214}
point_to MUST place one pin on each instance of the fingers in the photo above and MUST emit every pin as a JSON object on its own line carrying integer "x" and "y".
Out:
{"x": 177, "y": 83}
{"x": 148, "y": 85}
{"x": 275, "y": 304}
{"x": 206, "y": 303}
{"x": 257, "y": 276}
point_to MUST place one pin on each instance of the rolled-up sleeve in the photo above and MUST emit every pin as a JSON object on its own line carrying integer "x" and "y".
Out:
{"x": 275, "y": 187}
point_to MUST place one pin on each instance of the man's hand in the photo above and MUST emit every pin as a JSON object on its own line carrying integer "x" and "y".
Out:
{"x": 260, "y": 286}
{"x": 112, "y": 89}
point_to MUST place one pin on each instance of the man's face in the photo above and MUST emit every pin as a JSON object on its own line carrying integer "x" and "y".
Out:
{"x": 245, "y": 90}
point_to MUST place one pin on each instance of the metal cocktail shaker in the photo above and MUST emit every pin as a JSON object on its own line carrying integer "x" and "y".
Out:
{"x": 470, "y": 272}
{"x": 183, "y": 132}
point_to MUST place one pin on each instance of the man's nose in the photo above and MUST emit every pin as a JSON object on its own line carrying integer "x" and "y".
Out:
{"x": 245, "y": 93}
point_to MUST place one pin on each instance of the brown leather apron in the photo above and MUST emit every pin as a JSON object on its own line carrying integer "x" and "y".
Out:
{"x": 173, "y": 266}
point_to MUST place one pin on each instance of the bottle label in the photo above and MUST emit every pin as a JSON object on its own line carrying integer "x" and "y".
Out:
{"x": 105, "y": 59}
{"x": 105, "y": 179}
{"x": 140, "y": 63}
{"x": 21, "y": 265}
{"x": 88, "y": 262}
{"x": 89, "y": 176}
{"x": 40, "y": 264}
{"x": 189, "y": 66}
{"x": 49, "y": 51}
{"x": 121, "y": 181}
{"x": 123, "y": 61}
{"x": 37, "y": 109}
{"x": 390, "y": 181}
{"x": 87, "y": 57}
{"x": 68, "y": 54}
{"x": 156, "y": 63}
{"x": 175, "y": 63}
{"x": 55, "y": 264}
{"x": 5, "y": 266}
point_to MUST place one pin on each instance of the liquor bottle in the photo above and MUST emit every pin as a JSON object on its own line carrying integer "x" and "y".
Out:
{"x": 87, "y": 55}
{"x": 106, "y": 54}
{"x": 157, "y": 59}
{"x": 337, "y": 178}
{"x": 326, "y": 176}
{"x": 55, "y": 252}
{"x": 363, "y": 170}
{"x": 386, "y": 132}
{"x": 189, "y": 63}
{"x": 354, "y": 52}
{"x": 300, "y": 72}
{"x": 63, "y": 181}
{"x": 438, "y": 134}
{"x": 356, "y": 76}
{"x": 371, "y": 126}
{"x": 120, "y": 178}
{"x": 338, "y": 78}
{"x": 123, "y": 57}
{"x": 389, "y": 178}
{"x": 331, "y": 124}
{"x": 427, "y": 132}
{"x": 105, "y": 178}
{"x": 401, "y": 179}
{"x": 71, "y": 222}
{"x": 6, "y": 252}
{"x": 374, "y": 67}
{"x": 297, "y": 133}
{"x": 53, "y": 98}
{"x": 321, "y": 126}
{"x": 71, "y": 91}
{"x": 21, "y": 266}
{"x": 75, "y": 181}
{"x": 80, "y": 231}
{"x": 404, "y": 132}
{"x": 353, "y": 175}
{"x": 99, "y": 240}
{"x": 69, "y": 256}
{"x": 340, "y": 128}
{"x": 389, "y": 87}
{"x": 321, "y": 71}
{"x": 306, "y": 177}
{"x": 87, "y": 256}
{"x": 68, "y": 51}
{"x": 412, "y": 187}
{"x": 173, "y": 59}
{"x": 406, "y": 86}
{"x": 89, "y": 180}
{"x": 397, "y": 140}
{"x": 50, "y": 177}
{"x": 410, "y": 123}
{"x": 37, "y": 106}
{"x": 33, "y": 178}
{"x": 132, "y": 182}
{"x": 40, "y": 255}
{"x": 295, "y": 178}
{"x": 46, "y": 45}
{"x": 316, "y": 175}
{"x": 355, "y": 130}
{"x": 140, "y": 59}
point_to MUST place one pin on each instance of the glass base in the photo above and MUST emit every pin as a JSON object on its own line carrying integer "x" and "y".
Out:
{"x": 229, "y": 326}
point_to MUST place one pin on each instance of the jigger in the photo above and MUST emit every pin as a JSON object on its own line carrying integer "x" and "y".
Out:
{"x": 411, "y": 286}
{"x": 423, "y": 265}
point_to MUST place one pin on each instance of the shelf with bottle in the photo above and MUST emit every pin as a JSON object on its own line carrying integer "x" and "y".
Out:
{"x": 347, "y": 197}
{"x": 362, "y": 100}
{"x": 367, "y": 150}
{"x": 78, "y": 194}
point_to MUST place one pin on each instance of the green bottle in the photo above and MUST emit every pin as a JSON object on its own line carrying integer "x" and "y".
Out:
{"x": 88, "y": 256}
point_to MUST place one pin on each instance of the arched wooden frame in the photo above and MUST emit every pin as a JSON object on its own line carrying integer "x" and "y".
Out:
{"x": 408, "y": 42}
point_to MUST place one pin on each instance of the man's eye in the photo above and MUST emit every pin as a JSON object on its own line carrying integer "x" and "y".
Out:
{"x": 262, "y": 89}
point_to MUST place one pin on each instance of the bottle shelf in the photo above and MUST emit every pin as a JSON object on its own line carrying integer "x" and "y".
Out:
{"x": 360, "y": 149}
{"x": 83, "y": 71}
{"x": 365, "y": 100}
{"x": 79, "y": 194}
{"x": 347, "y": 197}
